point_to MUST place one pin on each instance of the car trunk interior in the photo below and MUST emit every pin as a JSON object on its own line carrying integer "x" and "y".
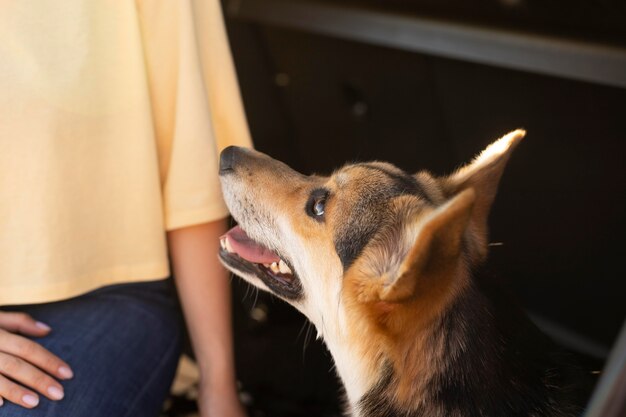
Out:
{"x": 428, "y": 84}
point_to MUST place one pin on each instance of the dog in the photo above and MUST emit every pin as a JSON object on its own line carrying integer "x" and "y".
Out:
{"x": 386, "y": 265}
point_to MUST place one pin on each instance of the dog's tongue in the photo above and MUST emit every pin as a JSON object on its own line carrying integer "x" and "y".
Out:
{"x": 248, "y": 249}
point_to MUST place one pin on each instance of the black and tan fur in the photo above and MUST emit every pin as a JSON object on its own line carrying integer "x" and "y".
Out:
{"x": 390, "y": 276}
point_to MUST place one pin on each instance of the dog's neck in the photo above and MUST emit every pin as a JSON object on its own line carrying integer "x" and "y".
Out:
{"x": 374, "y": 385}
{"x": 381, "y": 368}
{"x": 442, "y": 366}
{"x": 404, "y": 384}
{"x": 371, "y": 377}
{"x": 357, "y": 375}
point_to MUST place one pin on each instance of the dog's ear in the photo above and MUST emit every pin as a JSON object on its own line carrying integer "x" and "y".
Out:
{"x": 483, "y": 175}
{"x": 436, "y": 248}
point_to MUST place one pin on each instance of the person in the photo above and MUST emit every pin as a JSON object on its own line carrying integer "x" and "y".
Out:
{"x": 112, "y": 115}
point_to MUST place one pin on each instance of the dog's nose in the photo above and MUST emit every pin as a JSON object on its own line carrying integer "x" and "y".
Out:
{"x": 228, "y": 159}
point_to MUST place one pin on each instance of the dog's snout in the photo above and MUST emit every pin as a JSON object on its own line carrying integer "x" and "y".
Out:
{"x": 228, "y": 159}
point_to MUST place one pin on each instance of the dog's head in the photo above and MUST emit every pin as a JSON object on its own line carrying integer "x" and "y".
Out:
{"x": 362, "y": 250}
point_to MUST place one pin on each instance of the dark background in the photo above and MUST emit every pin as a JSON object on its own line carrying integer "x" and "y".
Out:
{"x": 316, "y": 102}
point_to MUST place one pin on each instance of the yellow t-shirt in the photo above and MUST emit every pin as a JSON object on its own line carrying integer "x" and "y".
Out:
{"x": 112, "y": 115}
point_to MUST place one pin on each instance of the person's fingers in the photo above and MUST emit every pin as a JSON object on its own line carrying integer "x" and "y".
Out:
{"x": 29, "y": 376}
{"x": 18, "y": 322}
{"x": 35, "y": 354}
{"x": 17, "y": 394}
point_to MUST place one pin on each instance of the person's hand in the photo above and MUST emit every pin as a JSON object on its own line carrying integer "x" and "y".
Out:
{"x": 219, "y": 402}
{"x": 25, "y": 366}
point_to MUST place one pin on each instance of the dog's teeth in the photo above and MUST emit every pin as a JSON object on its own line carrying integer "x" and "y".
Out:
{"x": 284, "y": 269}
{"x": 223, "y": 243}
{"x": 227, "y": 246}
{"x": 274, "y": 267}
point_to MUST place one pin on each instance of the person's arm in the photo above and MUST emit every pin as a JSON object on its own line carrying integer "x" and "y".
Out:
{"x": 204, "y": 289}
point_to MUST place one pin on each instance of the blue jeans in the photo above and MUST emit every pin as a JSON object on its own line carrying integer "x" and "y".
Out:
{"x": 122, "y": 342}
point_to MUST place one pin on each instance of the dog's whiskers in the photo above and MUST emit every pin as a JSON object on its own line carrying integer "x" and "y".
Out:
{"x": 248, "y": 287}
{"x": 256, "y": 296}
{"x": 307, "y": 337}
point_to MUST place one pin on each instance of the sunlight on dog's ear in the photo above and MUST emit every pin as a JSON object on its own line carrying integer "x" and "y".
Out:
{"x": 437, "y": 248}
{"x": 483, "y": 175}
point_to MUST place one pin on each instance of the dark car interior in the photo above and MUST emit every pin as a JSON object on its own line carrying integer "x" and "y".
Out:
{"x": 426, "y": 84}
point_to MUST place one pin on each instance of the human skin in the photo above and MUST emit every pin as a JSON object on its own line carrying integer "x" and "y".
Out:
{"x": 204, "y": 289}
{"x": 26, "y": 368}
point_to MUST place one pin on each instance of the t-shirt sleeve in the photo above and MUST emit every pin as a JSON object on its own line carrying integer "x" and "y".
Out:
{"x": 196, "y": 104}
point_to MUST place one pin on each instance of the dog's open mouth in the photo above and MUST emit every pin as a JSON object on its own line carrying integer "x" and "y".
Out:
{"x": 245, "y": 255}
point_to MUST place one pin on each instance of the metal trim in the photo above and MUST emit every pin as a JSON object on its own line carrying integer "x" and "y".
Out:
{"x": 577, "y": 60}
{"x": 609, "y": 397}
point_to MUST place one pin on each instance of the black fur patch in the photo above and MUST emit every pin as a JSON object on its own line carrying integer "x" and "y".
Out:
{"x": 369, "y": 214}
{"x": 353, "y": 238}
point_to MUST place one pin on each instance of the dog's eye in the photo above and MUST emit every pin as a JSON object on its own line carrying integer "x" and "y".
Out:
{"x": 319, "y": 206}
{"x": 316, "y": 206}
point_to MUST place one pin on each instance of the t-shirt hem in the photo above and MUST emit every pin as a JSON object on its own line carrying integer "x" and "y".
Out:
{"x": 45, "y": 293}
{"x": 180, "y": 219}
